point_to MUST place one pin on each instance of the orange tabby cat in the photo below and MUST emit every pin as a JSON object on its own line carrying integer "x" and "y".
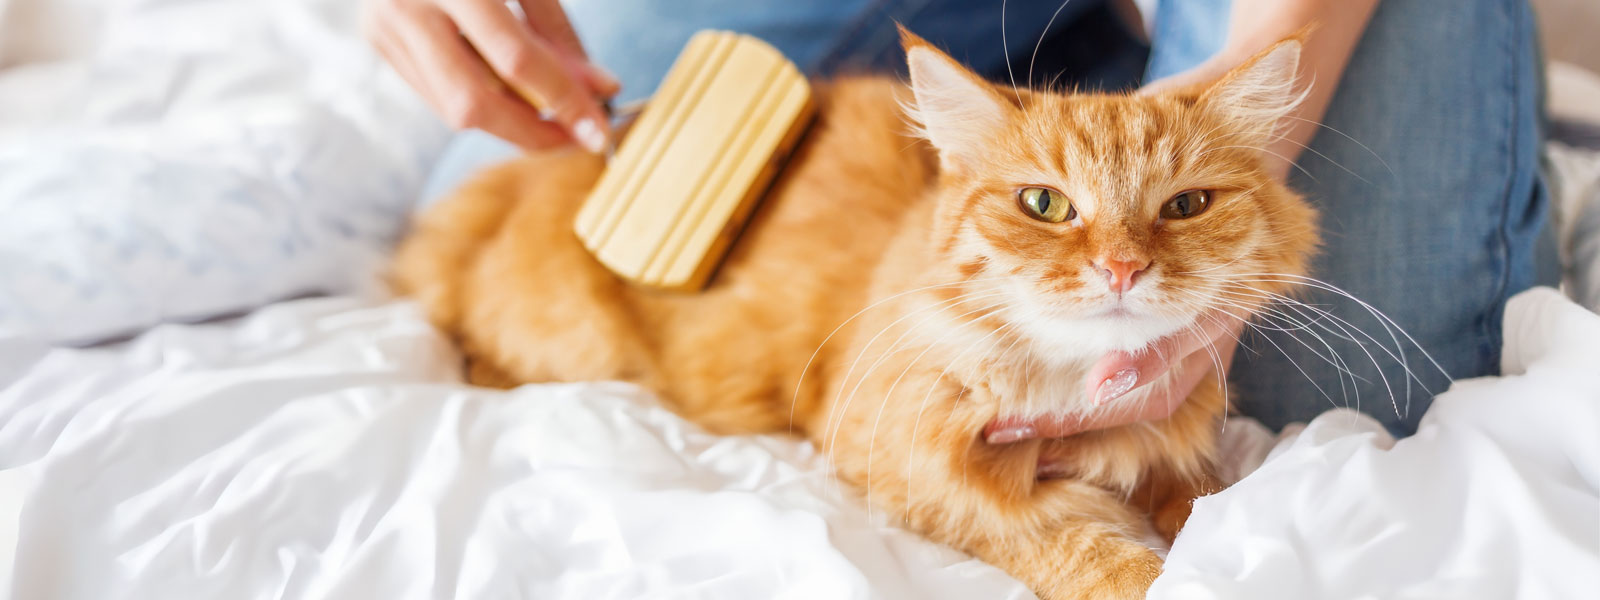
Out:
{"x": 896, "y": 293}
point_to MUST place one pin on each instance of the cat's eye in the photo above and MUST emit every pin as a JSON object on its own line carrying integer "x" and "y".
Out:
{"x": 1186, "y": 205}
{"x": 1046, "y": 205}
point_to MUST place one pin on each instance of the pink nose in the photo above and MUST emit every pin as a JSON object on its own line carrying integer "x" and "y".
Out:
{"x": 1121, "y": 274}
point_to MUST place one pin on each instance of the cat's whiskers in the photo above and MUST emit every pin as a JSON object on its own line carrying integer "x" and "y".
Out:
{"x": 1348, "y": 137}
{"x": 1337, "y": 360}
{"x": 1267, "y": 300}
{"x": 966, "y": 452}
{"x": 1265, "y": 312}
{"x": 1210, "y": 269}
{"x": 794, "y": 399}
{"x": 1042, "y": 34}
{"x": 1258, "y": 149}
{"x": 888, "y": 396}
{"x": 1276, "y": 137}
{"x": 1221, "y": 370}
{"x": 838, "y": 412}
{"x": 1390, "y": 327}
{"x": 1261, "y": 310}
{"x": 1005, "y": 53}
{"x": 1397, "y": 353}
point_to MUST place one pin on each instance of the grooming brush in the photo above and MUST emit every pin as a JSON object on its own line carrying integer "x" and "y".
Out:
{"x": 693, "y": 167}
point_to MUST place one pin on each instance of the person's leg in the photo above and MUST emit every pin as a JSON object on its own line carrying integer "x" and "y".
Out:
{"x": 1427, "y": 176}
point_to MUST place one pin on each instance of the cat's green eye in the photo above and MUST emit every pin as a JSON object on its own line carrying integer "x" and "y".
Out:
{"x": 1046, "y": 205}
{"x": 1187, "y": 204}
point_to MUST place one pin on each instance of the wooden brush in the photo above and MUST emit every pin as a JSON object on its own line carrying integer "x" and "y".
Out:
{"x": 693, "y": 167}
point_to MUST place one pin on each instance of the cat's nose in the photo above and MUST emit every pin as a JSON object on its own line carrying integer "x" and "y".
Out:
{"x": 1121, "y": 274}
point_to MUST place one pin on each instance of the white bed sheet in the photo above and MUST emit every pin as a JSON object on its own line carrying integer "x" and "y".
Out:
{"x": 325, "y": 449}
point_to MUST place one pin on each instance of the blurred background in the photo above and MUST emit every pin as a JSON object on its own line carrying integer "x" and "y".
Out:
{"x": 177, "y": 160}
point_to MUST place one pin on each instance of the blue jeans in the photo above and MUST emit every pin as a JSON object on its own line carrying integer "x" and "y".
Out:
{"x": 1426, "y": 174}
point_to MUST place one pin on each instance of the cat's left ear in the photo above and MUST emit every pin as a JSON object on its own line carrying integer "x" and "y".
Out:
{"x": 960, "y": 113}
{"x": 1256, "y": 95}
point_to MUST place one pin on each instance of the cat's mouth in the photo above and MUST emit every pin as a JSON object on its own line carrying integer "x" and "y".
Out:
{"x": 1118, "y": 310}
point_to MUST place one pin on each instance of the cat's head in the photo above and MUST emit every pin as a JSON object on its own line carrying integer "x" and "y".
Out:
{"x": 1105, "y": 221}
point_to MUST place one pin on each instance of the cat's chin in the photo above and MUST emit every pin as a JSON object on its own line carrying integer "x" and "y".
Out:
{"x": 1090, "y": 330}
{"x": 1072, "y": 338}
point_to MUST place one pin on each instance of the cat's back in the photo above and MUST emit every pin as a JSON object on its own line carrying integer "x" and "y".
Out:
{"x": 498, "y": 266}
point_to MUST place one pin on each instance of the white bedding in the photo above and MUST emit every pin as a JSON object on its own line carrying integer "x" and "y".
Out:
{"x": 170, "y": 160}
{"x": 324, "y": 449}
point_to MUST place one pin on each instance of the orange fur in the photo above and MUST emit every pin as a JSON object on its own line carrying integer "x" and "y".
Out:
{"x": 889, "y": 299}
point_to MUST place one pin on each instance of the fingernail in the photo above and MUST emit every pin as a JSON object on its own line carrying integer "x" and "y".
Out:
{"x": 1116, "y": 385}
{"x": 589, "y": 135}
{"x": 1015, "y": 434}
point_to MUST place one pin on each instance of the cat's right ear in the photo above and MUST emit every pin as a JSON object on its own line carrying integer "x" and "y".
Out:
{"x": 960, "y": 113}
{"x": 1256, "y": 95}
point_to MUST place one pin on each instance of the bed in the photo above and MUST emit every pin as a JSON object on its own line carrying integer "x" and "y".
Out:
{"x": 323, "y": 445}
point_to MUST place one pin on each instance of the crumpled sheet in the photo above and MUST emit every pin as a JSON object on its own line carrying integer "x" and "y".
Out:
{"x": 1496, "y": 496}
{"x": 175, "y": 160}
{"x": 325, "y": 449}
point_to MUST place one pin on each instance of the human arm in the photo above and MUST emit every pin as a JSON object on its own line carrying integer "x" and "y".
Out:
{"x": 525, "y": 79}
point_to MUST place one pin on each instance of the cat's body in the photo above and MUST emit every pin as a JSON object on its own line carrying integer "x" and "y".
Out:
{"x": 869, "y": 306}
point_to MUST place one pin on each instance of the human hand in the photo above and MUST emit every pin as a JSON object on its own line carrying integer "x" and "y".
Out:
{"x": 527, "y": 81}
{"x": 1194, "y": 352}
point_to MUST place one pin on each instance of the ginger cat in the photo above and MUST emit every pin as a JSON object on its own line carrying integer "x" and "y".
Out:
{"x": 898, "y": 291}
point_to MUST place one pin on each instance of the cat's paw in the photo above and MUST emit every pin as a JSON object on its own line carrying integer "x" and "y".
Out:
{"x": 1127, "y": 576}
{"x": 1129, "y": 579}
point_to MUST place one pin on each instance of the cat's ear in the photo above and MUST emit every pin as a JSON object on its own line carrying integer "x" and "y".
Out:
{"x": 959, "y": 112}
{"x": 1256, "y": 95}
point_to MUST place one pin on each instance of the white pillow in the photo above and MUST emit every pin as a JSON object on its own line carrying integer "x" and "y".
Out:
{"x": 203, "y": 157}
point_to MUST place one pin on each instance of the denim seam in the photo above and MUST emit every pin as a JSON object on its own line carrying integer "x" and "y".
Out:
{"x": 1491, "y": 320}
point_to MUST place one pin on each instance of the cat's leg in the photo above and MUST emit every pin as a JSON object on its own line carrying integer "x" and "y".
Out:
{"x": 483, "y": 373}
{"x": 1160, "y": 466}
{"x": 1169, "y": 497}
{"x": 925, "y": 462}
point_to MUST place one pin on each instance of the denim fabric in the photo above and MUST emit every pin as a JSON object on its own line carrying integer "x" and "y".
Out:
{"x": 1428, "y": 180}
{"x": 1427, "y": 172}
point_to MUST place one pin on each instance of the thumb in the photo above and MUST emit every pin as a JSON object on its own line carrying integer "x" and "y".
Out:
{"x": 1118, "y": 373}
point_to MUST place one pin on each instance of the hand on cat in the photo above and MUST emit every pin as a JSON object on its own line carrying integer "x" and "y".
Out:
{"x": 1199, "y": 350}
{"x": 480, "y": 65}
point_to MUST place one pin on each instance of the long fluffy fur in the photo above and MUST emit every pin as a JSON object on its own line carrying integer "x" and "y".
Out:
{"x": 889, "y": 309}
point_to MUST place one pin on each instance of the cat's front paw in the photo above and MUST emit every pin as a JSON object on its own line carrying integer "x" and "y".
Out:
{"x": 1130, "y": 578}
{"x": 1125, "y": 574}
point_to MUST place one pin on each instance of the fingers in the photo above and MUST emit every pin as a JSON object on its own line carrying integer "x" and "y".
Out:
{"x": 1194, "y": 353}
{"x": 1118, "y": 373}
{"x": 532, "y": 68}
{"x": 462, "y": 88}
{"x": 1157, "y": 403}
{"x": 549, "y": 20}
